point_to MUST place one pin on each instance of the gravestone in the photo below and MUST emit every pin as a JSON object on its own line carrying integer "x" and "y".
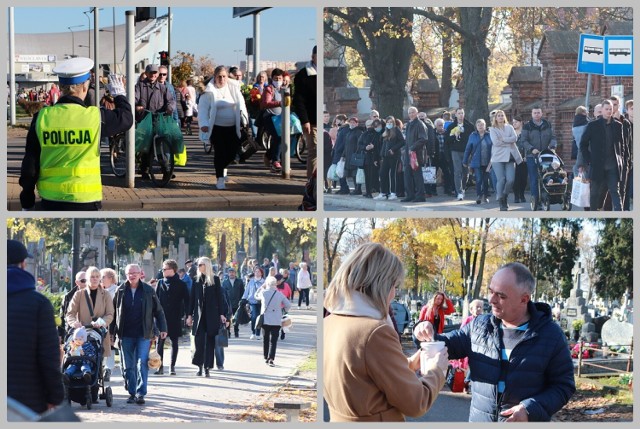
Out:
{"x": 183, "y": 252}
{"x": 576, "y": 309}
{"x": 615, "y": 332}
{"x": 148, "y": 266}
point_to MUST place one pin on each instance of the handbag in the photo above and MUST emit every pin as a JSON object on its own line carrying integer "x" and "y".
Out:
{"x": 260, "y": 319}
{"x": 295, "y": 126}
{"x": 455, "y": 379}
{"x": 360, "y": 177}
{"x": 429, "y": 174}
{"x": 248, "y": 145}
{"x": 580, "y": 193}
{"x": 222, "y": 339}
{"x": 357, "y": 159}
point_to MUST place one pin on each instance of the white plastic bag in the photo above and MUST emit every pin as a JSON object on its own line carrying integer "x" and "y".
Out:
{"x": 340, "y": 169}
{"x": 360, "y": 176}
{"x": 331, "y": 174}
{"x": 581, "y": 193}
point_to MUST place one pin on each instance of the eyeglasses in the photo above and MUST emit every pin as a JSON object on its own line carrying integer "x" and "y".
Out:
{"x": 82, "y": 280}
{"x": 163, "y": 74}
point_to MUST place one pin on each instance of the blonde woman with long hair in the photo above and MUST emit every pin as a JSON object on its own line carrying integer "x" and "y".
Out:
{"x": 206, "y": 314}
{"x": 366, "y": 375}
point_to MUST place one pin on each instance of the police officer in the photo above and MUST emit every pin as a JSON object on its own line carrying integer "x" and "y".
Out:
{"x": 63, "y": 143}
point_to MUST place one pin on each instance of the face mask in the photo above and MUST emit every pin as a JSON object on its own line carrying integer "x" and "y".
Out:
{"x": 389, "y": 126}
{"x": 351, "y": 126}
{"x": 378, "y": 129}
{"x": 277, "y": 84}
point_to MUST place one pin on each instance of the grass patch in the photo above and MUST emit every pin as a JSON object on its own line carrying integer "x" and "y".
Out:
{"x": 311, "y": 363}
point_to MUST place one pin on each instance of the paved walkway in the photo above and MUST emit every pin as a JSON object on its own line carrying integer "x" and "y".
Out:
{"x": 245, "y": 381}
{"x": 250, "y": 186}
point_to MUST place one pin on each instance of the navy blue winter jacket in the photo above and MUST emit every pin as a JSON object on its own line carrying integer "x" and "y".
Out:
{"x": 540, "y": 372}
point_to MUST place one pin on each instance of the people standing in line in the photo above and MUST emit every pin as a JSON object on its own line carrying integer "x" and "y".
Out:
{"x": 392, "y": 143}
{"x": 33, "y": 350}
{"x": 273, "y": 301}
{"x": 109, "y": 282}
{"x": 342, "y": 129}
{"x": 235, "y": 289}
{"x": 537, "y": 135}
{"x": 221, "y": 115}
{"x": 443, "y": 157}
{"x": 525, "y": 371}
{"x": 206, "y": 314}
{"x": 604, "y": 151}
{"x": 249, "y": 294}
{"x": 369, "y": 144}
{"x": 416, "y": 139}
{"x": 477, "y": 157}
{"x": 68, "y": 175}
{"x": 366, "y": 376}
{"x": 350, "y": 148}
{"x": 303, "y": 283}
{"x": 174, "y": 298}
{"x": 520, "y": 182}
{"x": 504, "y": 156}
{"x": 136, "y": 307}
{"x": 458, "y": 133}
{"x": 88, "y": 305}
{"x": 305, "y": 105}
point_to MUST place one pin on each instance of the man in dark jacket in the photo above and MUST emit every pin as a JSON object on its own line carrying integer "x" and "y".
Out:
{"x": 605, "y": 151}
{"x": 521, "y": 368}
{"x": 234, "y": 288}
{"x": 33, "y": 351}
{"x": 416, "y": 140}
{"x": 174, "y": 298}
{"x": 537, "y": 135}
{"x": 136, "y": 306}
{"x": 457, "y": 136}
{"x": 305, "y": 105}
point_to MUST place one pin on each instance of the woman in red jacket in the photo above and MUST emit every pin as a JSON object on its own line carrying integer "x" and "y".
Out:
{"x": 435, "y": 310}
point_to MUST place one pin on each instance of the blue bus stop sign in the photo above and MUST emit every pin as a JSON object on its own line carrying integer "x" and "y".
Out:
{"x": 618, "y": 58}
{"x": 591, "y": 54}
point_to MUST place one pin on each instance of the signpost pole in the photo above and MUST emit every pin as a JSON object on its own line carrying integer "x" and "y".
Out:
{"x": 586, "y": 98}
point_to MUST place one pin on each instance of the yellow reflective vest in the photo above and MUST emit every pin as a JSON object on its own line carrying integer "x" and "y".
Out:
{"x": 69, "y": 136}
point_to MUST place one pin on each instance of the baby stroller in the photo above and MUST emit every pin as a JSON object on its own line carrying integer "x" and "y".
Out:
{"x": 553, "y": 182}
{"x": 77, "y": 389}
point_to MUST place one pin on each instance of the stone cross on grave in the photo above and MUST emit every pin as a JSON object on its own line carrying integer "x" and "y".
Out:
{"x": 576, "y": 309}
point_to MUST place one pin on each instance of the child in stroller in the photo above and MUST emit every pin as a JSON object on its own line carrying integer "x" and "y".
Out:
{"x": 85, "y": 351}
{"x": 553, "y": 181}
{"x": 555, "y": 175}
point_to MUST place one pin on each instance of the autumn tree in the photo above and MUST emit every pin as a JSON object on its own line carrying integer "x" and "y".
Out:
{"x": 343, "y": 236}
{"x": 182, "y": 67}
{"x": 382, "y": 36}
{"x": 614, "y": 258}
{"x": 236, "y": 232}
{"x": 290, "y": 238}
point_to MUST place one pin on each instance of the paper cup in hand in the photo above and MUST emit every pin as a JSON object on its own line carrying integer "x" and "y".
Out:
{"x": 429, "y": 350}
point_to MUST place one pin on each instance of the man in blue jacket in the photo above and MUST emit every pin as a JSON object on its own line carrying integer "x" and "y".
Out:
{"x": 521, "y": 368}
{"x": 33, "y": 350}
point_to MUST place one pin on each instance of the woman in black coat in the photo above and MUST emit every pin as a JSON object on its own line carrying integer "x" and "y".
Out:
{"x": 369, "y": 144}
{"x": 206, "y": 314}
{"x": 174, "y": 297}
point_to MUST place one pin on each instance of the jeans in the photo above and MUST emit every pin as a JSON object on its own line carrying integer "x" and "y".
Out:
{"x": 270, "y": 341}
{"x": 532, "y": 168}
{"x": 255, "y": 312}
{"x": 219, "y": 352}
{"x": 599, "y": 189}
{"x": 136, "y": 358}
{"x": 482, "y": 181}
{"x": 274, "y": 147}
{"x": 73, "y": 368}
{"x": 458, "y": 170}
{"x": 505, "y": 174}
{"x": 303, "y": 294}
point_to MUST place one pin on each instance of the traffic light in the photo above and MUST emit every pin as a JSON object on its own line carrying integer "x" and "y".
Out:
{"x": 164, "y": 58}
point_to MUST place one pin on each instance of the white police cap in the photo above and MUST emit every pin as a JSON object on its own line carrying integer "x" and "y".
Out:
{"x": 74, "y": 70}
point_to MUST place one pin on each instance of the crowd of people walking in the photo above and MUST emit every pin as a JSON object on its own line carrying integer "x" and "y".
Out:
{"x": 408, "y": 161}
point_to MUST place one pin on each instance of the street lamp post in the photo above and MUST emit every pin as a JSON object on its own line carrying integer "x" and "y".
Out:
{"x": 114, "y": 46}
{"x": 86, "y": 13}
{"x": 73, "y": 44}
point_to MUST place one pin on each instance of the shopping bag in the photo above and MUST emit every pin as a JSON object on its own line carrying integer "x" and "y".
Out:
{"x": 295, "y": 126}
{"x": 340, "y": 169}
{"x": 413, "y": 161}
{"x": 144, "y": 134}
{"x": 222, "y": 339}
{"x": 331, "y": 173}
{"x": 180, "y": 159}
{"x": 360, "y": 176}
{"x": 357, "y": 159}
{"x": 580, "y": 193}
{"x": 455, "y": 379}
{"x": 429, "y": 175}
{"x": 170, "y": 130}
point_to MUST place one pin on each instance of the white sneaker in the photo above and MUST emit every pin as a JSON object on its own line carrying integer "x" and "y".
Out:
{"x": 220, "y": 184}
{"x": 392, "y": 196}
{"x": 460, "y": 197}
{"x": 252, "y": 337}
{"x": 380, "y": 196}
{"x": 258, "y": 337}
{"x": 308, "y": 308}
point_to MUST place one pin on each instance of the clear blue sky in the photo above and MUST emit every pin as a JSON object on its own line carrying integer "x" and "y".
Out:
{"x": 287, "y": 34}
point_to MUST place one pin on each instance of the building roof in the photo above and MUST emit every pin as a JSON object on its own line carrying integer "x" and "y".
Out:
{"x": 427, "y": 85}
{"x": 561, "y": 42}
{"x": 525, "y": 74}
